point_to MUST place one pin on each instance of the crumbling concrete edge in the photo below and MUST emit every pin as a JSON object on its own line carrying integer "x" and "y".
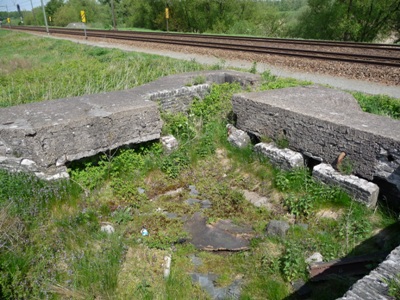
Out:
{"x": 376, "y": 284}
{"x": 360, "y": 189}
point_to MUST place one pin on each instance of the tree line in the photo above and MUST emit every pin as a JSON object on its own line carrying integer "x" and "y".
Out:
{"x": 347, "y": 20}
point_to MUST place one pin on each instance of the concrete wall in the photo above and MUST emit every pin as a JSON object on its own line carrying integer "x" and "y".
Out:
{"x": 321, "y": 123}
{"x": 42, "y": 137}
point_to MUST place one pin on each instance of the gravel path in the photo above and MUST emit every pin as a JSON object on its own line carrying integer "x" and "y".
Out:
{"x": 231, "y": 61}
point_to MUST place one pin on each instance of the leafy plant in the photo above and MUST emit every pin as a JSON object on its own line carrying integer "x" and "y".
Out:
{"x": 179, "y": 126}
{"x": 122, "y": 215}
{"x": 90, "y": 176}
{"x": 300, "y": 206}
{"x": 271, "y": 82}
{"x": 282, "y": 142}
{"x": 379, "y": 104}
{"x": 253, "y": 68}
{"x": 353, "y": 227}
{"x": 394, "y": 287}
{"x": 346, "y": 166}
{"x": 174, "y": 163}
{"x": 292, "y": 261}
{"x": 199, "y": 80}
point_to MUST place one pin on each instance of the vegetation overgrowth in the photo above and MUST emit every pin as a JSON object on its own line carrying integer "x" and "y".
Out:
{"x": 44, "y": 69}
{"x": 51, "y": 245}
{"x": 355, "y": 20}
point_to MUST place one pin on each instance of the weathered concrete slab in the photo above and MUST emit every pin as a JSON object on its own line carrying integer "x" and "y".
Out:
{"x": 321, "y": 123}
{"x": 283, "y": 158}
{"x": 222, "y": 236}
{"x": 361, "y": 189}
{"x": 375, "y": 285}
{"x": 42, "y": 137}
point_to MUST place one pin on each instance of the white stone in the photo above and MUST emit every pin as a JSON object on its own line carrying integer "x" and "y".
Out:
{"x": 169, "y": 143}
{"x": 167, "y": 266}
{"x": 107, "y": 228}
{"x": 237, "y": 137}
{"x": 27, "y": 162}
{"x": 314, "y": 258}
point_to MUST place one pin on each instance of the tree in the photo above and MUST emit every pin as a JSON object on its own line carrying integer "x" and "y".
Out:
{"x": 52, "y": 6}
{"x": 355, "y": 20}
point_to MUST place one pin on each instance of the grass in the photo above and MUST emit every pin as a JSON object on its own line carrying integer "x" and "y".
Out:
{"x": 51, "y": 245}
{"x": 60, "y": 69}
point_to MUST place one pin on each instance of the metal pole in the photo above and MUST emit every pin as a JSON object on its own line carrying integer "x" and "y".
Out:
{"x": 166, "y": 14}
{"x": 8, "y": 15}
{"x": 33, "y": 13}
{"x": 45, "y": 18}
{"x": 113, "y": 15}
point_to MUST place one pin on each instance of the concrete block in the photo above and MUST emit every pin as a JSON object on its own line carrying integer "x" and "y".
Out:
{"x": 44, "y": 136}
{"x": 282, "y": 158}
{"x": 361, "y": 189}
{"x": 321, "y": 123}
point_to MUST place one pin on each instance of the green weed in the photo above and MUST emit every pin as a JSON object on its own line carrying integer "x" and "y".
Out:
{"x": 346, "y": 167}
{"x": 394, "y": 287}
{"x": 292, "y": 261}
{"x": 271, "y": 82}
{"x": 379, "y": 105}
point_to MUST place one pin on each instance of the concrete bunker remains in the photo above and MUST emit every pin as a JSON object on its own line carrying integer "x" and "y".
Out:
{"x": 43, "y": 137}
{"x": 321, "y": 123}
{"x": 318, "y": 122}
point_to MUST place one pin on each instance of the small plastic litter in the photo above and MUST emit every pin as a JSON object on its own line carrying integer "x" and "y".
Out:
{"x": 144, "y": 231}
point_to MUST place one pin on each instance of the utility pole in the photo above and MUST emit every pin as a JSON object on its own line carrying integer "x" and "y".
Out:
{"x": 33, "y": 13}
{"x": 113, "y": 15}
{"x": 166, "y": 14}
{"x": 45, "y": 18}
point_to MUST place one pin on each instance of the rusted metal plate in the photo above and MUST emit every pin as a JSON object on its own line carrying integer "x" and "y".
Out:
{"x": 348, "y": 266}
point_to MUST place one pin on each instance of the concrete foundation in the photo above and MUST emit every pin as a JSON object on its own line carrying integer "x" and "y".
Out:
{"x": 43, "y": 137}
{"x": 321, "y": 123}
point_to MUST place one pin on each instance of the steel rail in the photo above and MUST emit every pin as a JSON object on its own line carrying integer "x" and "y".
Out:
{"x": 311, "y": 54}
{"x": 373, "y": 46}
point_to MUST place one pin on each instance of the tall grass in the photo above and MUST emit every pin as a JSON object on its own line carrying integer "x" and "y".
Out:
{"x": 64, "y": 69}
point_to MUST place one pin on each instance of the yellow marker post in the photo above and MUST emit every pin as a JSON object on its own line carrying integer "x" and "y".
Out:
{"x": 8, "y": 20}
{"x": 166, "y": 16}
{"x": 83, "y": 18}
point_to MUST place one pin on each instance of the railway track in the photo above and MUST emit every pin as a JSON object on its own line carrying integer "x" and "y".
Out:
{"x": 359, "y": 53}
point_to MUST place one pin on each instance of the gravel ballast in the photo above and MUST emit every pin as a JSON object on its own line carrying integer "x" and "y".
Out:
{"x": 353, "y": 77}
